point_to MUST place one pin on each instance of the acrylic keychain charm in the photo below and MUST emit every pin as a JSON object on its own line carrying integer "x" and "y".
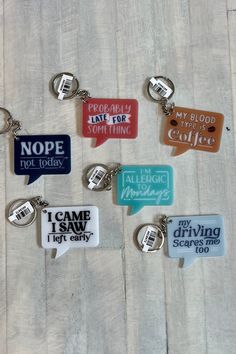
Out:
{"x": 137, "y": 185}
{"x": 103, "y": 118}
{"x": 185, "y": 128}
{"x": 62, "y": 228}
{"x": 37, "y": 155}
{"x": 188, "y": 237}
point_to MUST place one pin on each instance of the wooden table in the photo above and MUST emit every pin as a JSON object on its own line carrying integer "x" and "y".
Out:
{"x": 115, "y": 299}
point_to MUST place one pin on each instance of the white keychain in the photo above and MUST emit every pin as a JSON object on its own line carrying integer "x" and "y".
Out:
{"x": 62, "y": 227}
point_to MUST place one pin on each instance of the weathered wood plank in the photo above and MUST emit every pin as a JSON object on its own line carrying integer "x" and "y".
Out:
{"x": 3, "y": 142}
{"x": 82, "y": 281}
{"x": 26, "y": 312}
{"x": 115, "y": 299}
{"x": 183, "y": 44}
{"x": 231, "y": 5}
{"x": 204, "y": 320}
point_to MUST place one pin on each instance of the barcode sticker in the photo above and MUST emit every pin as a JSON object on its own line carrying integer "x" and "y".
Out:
{"x": 64, "y": 86}
{"x": 21, "y": 212}
{"x": 97, "y": 176}
{"x": 160, "y": 87}
{"x": 149, "y": 238}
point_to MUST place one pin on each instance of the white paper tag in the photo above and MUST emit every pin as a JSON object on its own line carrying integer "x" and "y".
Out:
{"x": 149, "y": 238}
{"x": 21, "y": 212}
{"x": 65, "y": 86}
{"x": 69, "y": 227}
{"x": 96, "y": 177}
{"x": 161, "y": 88}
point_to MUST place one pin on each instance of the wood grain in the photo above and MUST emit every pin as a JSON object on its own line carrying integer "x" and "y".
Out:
{"x": 115, "y": 299}
{"x": 3, "y": 141}
{"x": 26, "y": 309}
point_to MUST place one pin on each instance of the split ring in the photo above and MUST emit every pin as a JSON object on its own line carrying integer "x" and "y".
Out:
{"x": 89, "y": 172}
{"x": 75, "y": 82}
{"x": 9, "y": 121}
{"x": 150, "y": 90}
{"x": 160, "y": 234}
{"x": 18, "y": 203}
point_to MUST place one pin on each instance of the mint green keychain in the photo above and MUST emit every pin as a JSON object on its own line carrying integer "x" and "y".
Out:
{"x": 137, "y": 185}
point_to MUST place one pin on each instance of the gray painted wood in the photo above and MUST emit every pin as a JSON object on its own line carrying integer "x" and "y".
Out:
{"x": 231, "y": 5}
{"x": 3, "y": 141}
{"x": 114, "y": 299}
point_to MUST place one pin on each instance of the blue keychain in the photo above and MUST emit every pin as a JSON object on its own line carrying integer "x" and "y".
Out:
{"x": 37, "y": 155}
{"x": 137, "y": 185}
{"x": 188, "y": 237}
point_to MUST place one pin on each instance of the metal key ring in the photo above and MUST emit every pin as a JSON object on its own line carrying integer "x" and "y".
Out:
{"x": 149, "y": 89}
{"x": 88, "y": 173}
{"x": 73, "y": 93}
{"x": 9, "y": 121}
{"x": 159, "y": 231}
{"x": 33, "y": 216}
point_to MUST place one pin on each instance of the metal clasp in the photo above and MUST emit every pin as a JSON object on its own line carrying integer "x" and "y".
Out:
{"x": 11, "y": 124}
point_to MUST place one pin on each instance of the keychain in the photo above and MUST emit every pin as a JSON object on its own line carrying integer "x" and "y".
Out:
{"x": 103, "y": 118}
{"x": 137, "y": 185}
{"x": 185, "y": 128}
{"x": 61, "y": 227}
{"x": 37, "y": 155}
{"x": 188, "y": 237}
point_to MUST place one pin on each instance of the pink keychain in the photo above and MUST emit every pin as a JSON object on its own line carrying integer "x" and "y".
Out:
{"x": 103, "y": 118}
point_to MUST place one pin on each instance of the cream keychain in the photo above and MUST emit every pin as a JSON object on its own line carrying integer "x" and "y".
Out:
{"x": 185, "y": 128}
{"x": 62, "y": 227}
{"x": 188, "y": 237}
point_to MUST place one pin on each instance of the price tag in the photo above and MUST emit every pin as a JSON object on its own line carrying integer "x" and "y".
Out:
{"x": 21, "y": 212}
{"x": 97, "y": 176}
{"x": 149, "y": 238}
{"x": 65, "y": 86}
{"x": 160, "y": 87}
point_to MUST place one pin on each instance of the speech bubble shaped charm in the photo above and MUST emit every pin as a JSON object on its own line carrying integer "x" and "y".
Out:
{"x": 69, "y": 227}
{"x": 37, "y": 155}
{"x": 108, "y": 118}
{"x": 103, "y": 118}
{"x": 190, "y": 237}
{"x": 146, "y": 185}
{"x": 187, "y": 129}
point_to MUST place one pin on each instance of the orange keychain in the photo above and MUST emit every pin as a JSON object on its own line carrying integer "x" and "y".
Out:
{"x": 186, "y": 128}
